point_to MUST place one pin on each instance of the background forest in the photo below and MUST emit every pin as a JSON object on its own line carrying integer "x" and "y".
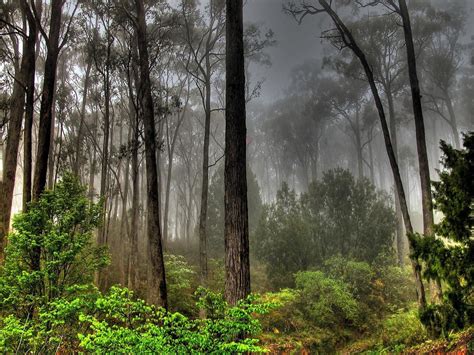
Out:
{"x": 219, "y": 176}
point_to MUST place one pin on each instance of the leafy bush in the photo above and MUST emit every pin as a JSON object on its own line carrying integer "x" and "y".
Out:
{"x": 51, "y": 249}
{"x": 403, "y": 328}
{"x": 123, "y": 325}
{"x": 338, "y": 216}
{"x": 326, "y": 302}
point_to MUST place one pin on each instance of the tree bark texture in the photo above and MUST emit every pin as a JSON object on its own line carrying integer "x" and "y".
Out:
{"x": 237, "y": 263}
{"x": 157, "y": 285}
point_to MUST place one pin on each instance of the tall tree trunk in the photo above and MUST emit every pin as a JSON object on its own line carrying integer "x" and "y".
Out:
{"x": 157, "y": 286}
{"x": 46, "y": 109}
{"x": 80, "y": 131}
{"x": 453, "y": 122}
{"x": 358, "y": 141}
{"x": 426, "y": 199}
{"x": 205, "y": 183}
{"x": 237, "y": 263}
{"x": 347, "y": 36}
{"x": 393, "y": 134}
{"x": 105, "y": 148}
{"x": 171, "y": 148}
{"x": 30, "y": 99}
{"x": 17, "y": 106}
{"x": 47, "y": 97}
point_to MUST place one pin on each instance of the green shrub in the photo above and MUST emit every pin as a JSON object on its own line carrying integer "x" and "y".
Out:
{"x": 51, "y": 249}
{"x": 326, "y": 302}
{"x": 122, "y": 324}
{"x": 403, "y": 328}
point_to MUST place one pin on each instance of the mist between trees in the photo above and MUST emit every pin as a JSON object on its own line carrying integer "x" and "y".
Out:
{"x": 148, "y": 138}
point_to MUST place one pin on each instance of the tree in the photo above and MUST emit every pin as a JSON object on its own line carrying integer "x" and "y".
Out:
{"x": 449, "y": 255}
{"x": 157, "y": 287}
{"x": 60, "y": 224}
{"x": 54, "y": 46}
{"x": 441, "y": 63}
{"x": 236, "y": 232}
{"x": 206, "y": 56}
{"x": 423, "y": 163}
{"x": 23, "y": 87}
{"x": 342, "y": 37}
{"x": 381, "y": 40}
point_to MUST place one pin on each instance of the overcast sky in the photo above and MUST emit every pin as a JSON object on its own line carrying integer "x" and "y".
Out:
{"x": 296, "y": 43}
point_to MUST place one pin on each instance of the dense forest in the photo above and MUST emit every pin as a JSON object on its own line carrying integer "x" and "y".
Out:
{"x": 229, "y": 176}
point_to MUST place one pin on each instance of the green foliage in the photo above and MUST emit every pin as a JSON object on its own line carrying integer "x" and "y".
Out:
{"x": 326, "y": 302}
{"x": 338, "y": 216}
{"x": 50, "y": 249}
{"x": 403, "y": 327}
{"x": 336, "y": 305}
{"x": 54, "y": 326}
{"x": 179, "y": 278}
{"x": 283, "y": 238}
{"x": 49, "y": 304}
{"x": 122, "y": 324}
{"x": 449, "y": 255}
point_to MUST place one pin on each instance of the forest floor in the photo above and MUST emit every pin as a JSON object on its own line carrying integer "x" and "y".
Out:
{"x": 460, "y": 343}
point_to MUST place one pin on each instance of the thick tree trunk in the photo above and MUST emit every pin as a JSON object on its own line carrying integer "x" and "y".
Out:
{"x": 157, "y": 285}
{"x": 426, "y": 199}
{"x": 46, "y": 109}
{"x": 347, "y": 35}
{"x": 237, "y": 263}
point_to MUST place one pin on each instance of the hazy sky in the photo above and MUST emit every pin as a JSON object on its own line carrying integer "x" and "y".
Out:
{"x": 296, "y": 43}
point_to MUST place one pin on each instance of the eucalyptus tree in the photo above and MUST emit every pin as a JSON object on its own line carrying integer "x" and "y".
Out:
{"x": 382, "y": 41}
{"x": 236, "y": 231}
{"x": 205, "y": 38}
{"x": 346, "y": 99}
{"x": 442, "y": 62}
{"x": 342, "y": 37}
{"x": 157, "y": 289}
{"x": 54, "y": 44}
{"x": 21, "y": 62}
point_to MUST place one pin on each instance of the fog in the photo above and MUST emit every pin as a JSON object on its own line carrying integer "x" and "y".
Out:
{"x": 315, "y": 152}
